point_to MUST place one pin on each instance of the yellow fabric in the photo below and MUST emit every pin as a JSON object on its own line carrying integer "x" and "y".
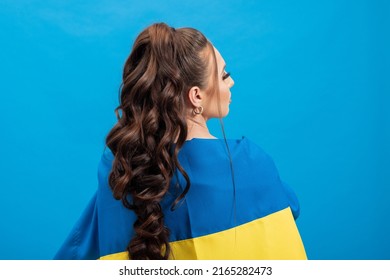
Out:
{"x": 274, "y": 237}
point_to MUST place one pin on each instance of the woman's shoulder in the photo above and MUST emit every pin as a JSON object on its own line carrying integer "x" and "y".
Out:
{"x": 260, "y": 156}
{"x": 207, "y": 152}
{"x": 247, "y": 148}
{"x": 105, "y": 166}
{"x": 107, "y": 154}
{"x": 239, "y": 146}
{"x": 206, "y": 148}
{"x": 253, "y": 147}
{"x": 243, "y": 141}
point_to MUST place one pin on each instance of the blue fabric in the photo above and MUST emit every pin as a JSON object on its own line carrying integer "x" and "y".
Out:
{"x": 210, "y": 205}
{"x": 83, "y": 242}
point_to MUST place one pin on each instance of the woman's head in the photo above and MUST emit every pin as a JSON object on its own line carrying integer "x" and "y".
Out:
{"x": 177, "y": 68}
{"x": 165, "y": 63}
{"x": 169, "y": 75}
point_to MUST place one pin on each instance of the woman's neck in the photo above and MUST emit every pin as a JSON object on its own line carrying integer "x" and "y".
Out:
{"x": 197, "y": 128}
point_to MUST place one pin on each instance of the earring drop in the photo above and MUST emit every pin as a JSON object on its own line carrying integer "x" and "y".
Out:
{"x": 197, "y": 110}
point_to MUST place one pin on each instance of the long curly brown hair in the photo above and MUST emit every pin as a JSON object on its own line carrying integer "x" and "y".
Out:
{"x": 163, "y": 65}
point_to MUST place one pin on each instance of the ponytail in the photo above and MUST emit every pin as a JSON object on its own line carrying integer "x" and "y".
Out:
{"x": 163, "y": 65}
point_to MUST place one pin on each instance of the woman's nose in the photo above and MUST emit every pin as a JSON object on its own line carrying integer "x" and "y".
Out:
{"x": 231, "y": 82}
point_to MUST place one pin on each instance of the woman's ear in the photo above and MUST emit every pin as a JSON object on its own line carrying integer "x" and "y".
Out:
{"x": 195, "y": 96}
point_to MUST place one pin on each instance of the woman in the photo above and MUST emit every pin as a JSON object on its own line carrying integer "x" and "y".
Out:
{"x": 168, "y": 189}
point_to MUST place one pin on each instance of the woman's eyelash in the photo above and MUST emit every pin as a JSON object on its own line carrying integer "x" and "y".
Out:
{"x": 226, "y": 75}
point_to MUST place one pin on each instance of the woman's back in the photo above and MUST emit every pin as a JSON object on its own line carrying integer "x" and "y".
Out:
{"x": 250, "y": 218}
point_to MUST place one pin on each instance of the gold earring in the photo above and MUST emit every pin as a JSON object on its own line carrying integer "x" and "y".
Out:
{"x": 197, "y": 110}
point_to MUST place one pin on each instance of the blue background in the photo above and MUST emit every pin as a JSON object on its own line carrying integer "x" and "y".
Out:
{"x": 311, "y": 87}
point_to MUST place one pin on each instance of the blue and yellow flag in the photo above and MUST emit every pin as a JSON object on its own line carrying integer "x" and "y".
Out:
{"x": 255, "y": 219}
